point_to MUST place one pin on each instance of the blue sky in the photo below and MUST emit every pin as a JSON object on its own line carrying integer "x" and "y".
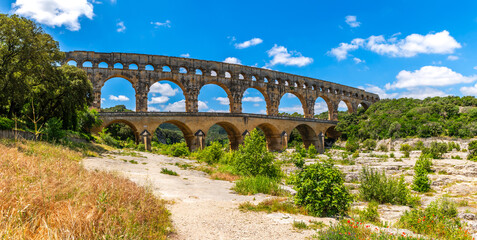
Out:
{"x": 393, "y": 48}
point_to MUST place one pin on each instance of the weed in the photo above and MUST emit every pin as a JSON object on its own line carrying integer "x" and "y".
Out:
{"x": 299, "y": 225}
{"x": 273, "y": 205}
{"x": 258, "y": 184}
{"x": 168, "y": 172}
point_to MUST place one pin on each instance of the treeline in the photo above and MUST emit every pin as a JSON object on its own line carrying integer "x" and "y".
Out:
{"x": 35, "y": 91}
{"x": 406, "y": 117}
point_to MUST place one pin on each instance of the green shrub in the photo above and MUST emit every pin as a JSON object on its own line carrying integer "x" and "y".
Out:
{"x": 378, "y": 187}
{"x": 253, "y": 159}
{"x": 6, "y": 123}
{"x": 370, "y": 214}
{"x": 351, "y": 145}
{"x": 140, "y": 147}
{"x": 312, "y": 151}
{"x": 300, "y": 149}
{"x": 453, "y": 145}
{"x": 436, "y": 150}
{"x": 179, "y": 150}
{"x": 439, "y": 220}
{"x": 298, "y": 160}
{"x": 406, "y": 149}
{"x": 472, "y": 151}
{"x": 369, "y": 144}
{"x": 53, "y": 130}
{"x": 211, "y": 154}
{"x": 257, "y": 184}
{"x": 320, "y": 189}
{"x": 355, "y": 154}
{"x": 168, "y": 172}
{"x": 382, "y": 148}
{"x": 106, "y": 138}
{"x": 421, "y": 181}
{"x": 88, "y": 119}
{"x": 419, "y": 145}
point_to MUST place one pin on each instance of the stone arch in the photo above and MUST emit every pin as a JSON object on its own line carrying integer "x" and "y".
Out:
{"x": 225, "y": 88}
{"x": 233, "y": 133}
{"x": 365, "y": 105}
{"x": 328, "y": 103}
{"x": 103, "y": 64}
{"x": 186, "y": 131}
{"x": 118, "y": 65}
{"x": 133, "y": 66}
{"x": 308, "y": 135}
{"x": 272, "y": 135}
{"x": 349, "y": 105}
{"x": 149, "y": 67}
{"x": 100, "y": 85}
{"x": 87, "y": 63}
{"x": 131, "y": 125}
{"x": 265, "y": 96}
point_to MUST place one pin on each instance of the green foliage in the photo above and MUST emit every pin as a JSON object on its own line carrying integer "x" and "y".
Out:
{"x": 382, "y": 148}
{"x": 355, "y": 154}
{"x": 453, "y": 145}
{"x": 106, "y": 138}
{"x": 53, "y": 130}
{"x": 369, "y": 144}
{"x": 257, "y": 184}
{"x": 321, "y": 191}
{"x": 370, "y": 214}
{"x": 298, "y": 160}
{"x": 378, "y": 187}
{"x": 6, "y": 124}
{"x": 439, "y": 220}
{"x": 312, "y": 151}
{"x": 352, "y": 145}
{"x": 419, "y": 145}
{"x": 406, "y": 149}
{"x": 299, "y": 225}
{"x": 253, "y": 159}
{"x": 121, "y": 131}
{"x": 88, "y": 119}
{"x": 179, "y": 150}
{"x": 421, "y": 181}
{"x": 472, "y": 151}
{"x": 436, "y": 150}
{"x": 407, "y": 117}
{"x": 211, "y": 154}
{"x": 168, "y": 172}
{"x": 117, "y": 108}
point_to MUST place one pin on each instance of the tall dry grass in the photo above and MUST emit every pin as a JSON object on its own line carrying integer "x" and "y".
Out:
{"x": 45, "y": 193}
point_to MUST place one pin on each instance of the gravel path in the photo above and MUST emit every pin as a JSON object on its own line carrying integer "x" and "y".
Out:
{"x": 202, "y": 208}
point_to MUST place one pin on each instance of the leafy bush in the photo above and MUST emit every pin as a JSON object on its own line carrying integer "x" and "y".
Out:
{"x": 439, "y": 220}
{"x": 419, "y": 145}
{"x": 351, "y": 145}
{"x": 320, "y": 189}
{"x": 453, "y": 145}
{"x": 370, "y": 214}
{"x": 355, "y": 154}
{"x": 369, "y": 144}
{"x": 211, "y": 154}
{"x": 6, "y": 123}
{"x": 378, "y": 187}
{"x": 257, "y": 184}
{"x": 312, "y": 151}
{"x": 406, "y": 149}
{"x": 382, "y": 148}
{"x": 53, "y": 130}
{"x": 436, "y": 150}
{"x": 253, "y": 159}
{"x": 168, "y": 172}
{"x": 472, "y": 151}
{"x": 421, "y": 181}
{"x": 88, "y": 119}
{"x": 179, "y": 150}
{"x": 298, "y": 160}
{"x": 300, "y": 149}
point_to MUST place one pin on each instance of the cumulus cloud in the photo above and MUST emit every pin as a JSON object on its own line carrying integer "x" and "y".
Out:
{"x": 280, "y": 55}
{"x": 452, "y": 58}
{"x": 164, "y": 89}
{"x": 421, "y": 93}
{"x": 153, "y": 109}
{"x": 381, "y": 92}
{"x": 249, "y": 43}
{"x": 55, "y": 12}
{"x": 223, "y": 100}
{"x": 412, "y": 45}
{"x": 120, "y": 98}
{"x": 320, "y": 106}
{"x": 121, "y": 27}
{"x": 233, "y": 60}
{"x": 167, "y": 24}
{"x": 179, "y": 106}
{"x": 252, "y": 99}
{"x": 296, "y": 108}
{"x": 429, "y": 76}
{"x": 469, "y": 91}
{"x": 357, "y": 60}
{"x": 351, "y": 21}
{"x": 159, "y": 100}
{"x": 185, "y": 55}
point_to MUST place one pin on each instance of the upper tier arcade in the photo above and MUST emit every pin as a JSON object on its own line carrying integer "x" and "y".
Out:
{"x": 192, "y": 74}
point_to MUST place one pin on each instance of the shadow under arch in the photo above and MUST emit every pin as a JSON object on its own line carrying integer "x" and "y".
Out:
{"x": 129, "y": 124}
{"x": 225, "y": 88}
{"x": 331, "y": 136}
{"x": 233, "y": 133}
{"x": 308, "y": 135}
{"x": 265, "y": 96}
{"x": 272, "y": 136}
{"x": 186, "y": 131}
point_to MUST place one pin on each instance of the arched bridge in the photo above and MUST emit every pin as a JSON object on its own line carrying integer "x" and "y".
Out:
{"x": 192, "y": 74}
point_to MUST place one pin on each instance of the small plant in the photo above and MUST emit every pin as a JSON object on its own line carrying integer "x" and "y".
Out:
{"x": 453, "y": 145}
{"x": 133, "y": 161}
{"x": 436, "y": 150}
{"x": 406, "y": 149}
{"x": 299, "y": 225}
{"x": 298, "y": 160}
{"x": 419, "y": 145}
{"x": 369, "y": 144}
{"x": 392, "y": 155}
{"x": 273, "y": 205}
{"x": 312, "y": 151}
{"x": 351, "y": 145}
{"x": 257, "y": 184}
{"x": 179, "y": 150}
{"x": 53, "y": 130}
{"x": 472, "y": 151}
{"x": 421, "y": 181}
{"x": 320, "y": 189}
{"x": 370, "y": 214}
{"x": 168, "y": 172}
{"x": 378, "y": 187}
{"x": 382, "y": 148}
{"x": 211, "y": 154}
{"x": 355, "y": 154}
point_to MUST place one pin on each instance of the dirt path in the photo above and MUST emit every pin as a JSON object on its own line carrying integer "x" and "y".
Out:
{"x": 202, "y": 208}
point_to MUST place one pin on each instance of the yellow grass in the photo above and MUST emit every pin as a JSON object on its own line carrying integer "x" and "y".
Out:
{"x": 45, "y": 193}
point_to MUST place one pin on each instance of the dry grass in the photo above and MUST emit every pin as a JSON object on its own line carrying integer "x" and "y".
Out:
{"x": 224, "y": 176}
{"x": 45, "y": 193}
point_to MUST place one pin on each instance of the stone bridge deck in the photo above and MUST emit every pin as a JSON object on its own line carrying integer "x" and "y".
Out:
{"x": 195, "y": 126}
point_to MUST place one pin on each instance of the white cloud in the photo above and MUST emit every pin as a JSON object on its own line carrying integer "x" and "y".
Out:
{"x": 153, "y": 109}
{"x": 233, "y": 60}
{"x": 357, "y": 60}
{"x": 179, "y": 106}
{"x": 164, "y": 89}
{"x": 412, "y": 45}
{"x": 167, "y": 23}
{"x": 421, "y": 93}
{"x": 342, "y": 106}
{"x": 185, "y": 55}
{"x": 351, "y": 21}
{"x": 429, "y": 76}
{"x": 223, "y": 100}
{"x": 475, "y": 67}
{"x": 103, "y": 99}
{"x": 249, "y": 43}
{"x": 297, "y": 108}
{"x": 469, "y": 91}
{"x": 252, "y": 99}
{"x": 212, "y": 110}
{"x": 121, "y": 27}
{"x": 55, "y": 12}
{"x": 452, "y": 58}
{"x": 280, "y": 55}
{"x": 159, "y": 100}
{"x": 320, "y": 106}
{"x": 381, "y": 92}
{"x": 120, "y": 98}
